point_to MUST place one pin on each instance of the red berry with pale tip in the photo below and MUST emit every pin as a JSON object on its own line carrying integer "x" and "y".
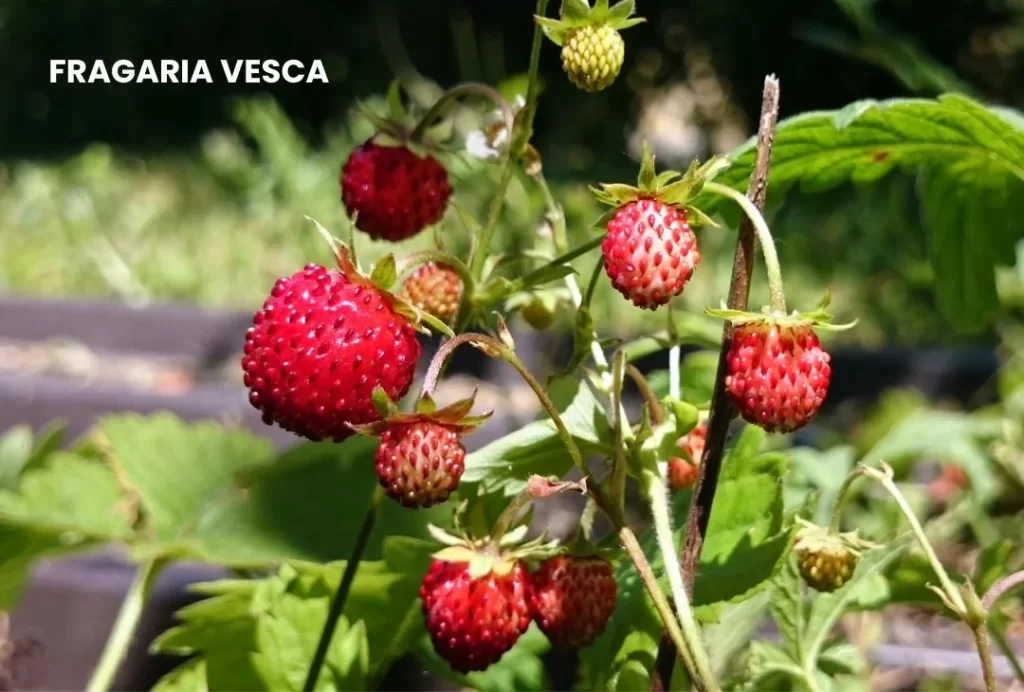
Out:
{"x": 420, "y": 463}
{"x": 650, "y": 252}
{"x": 317, "y": 349}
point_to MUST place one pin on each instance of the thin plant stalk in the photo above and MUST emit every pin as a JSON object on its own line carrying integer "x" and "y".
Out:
{"x": 344, "y": 586}
{"x": 764, "y": 238}
{"x": 128, "y": 617}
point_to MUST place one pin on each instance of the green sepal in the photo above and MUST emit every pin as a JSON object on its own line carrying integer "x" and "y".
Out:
{"x": 685, "y": 415}
{"x": 553, "y": 29}
{"x": 647, "y": 179}
{"x": 818, "y": 318}
{"x": 695, "y": 217}
{"x": 426, "y": 405}
{"x": 577, "y": 13}
{"x": 383, "y": 403}
{"x": 385, "y": 272}
{"x": 394, "y": 98}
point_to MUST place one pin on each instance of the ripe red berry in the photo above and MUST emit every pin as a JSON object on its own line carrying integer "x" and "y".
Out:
{"x": 391, "y": 192}
{"x": 778, "y": 374}
{"x": 682, "y": 473}
{"x": 573, "y": 599}
{"x": 317, "y": 349}
{"x": 473, "y": 622}
{"x": 436, "y": 289}
{"x": 650, "y": 252}
{"x": 420, "y": 463}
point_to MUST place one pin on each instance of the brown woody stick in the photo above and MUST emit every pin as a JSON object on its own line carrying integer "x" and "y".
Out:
{"x": 722, "y": 411}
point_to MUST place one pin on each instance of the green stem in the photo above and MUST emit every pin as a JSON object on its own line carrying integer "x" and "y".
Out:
{"x": 1009, "y": 653}
{"x": 837, "y": 508}
{"x": 675, "y": 353}
{"x": 556, "y": 215}
{"x": 344, "y": 586}
{"x": 661, "y": 604}
{"x": 654, "y": 487}
{"x": 467, "y": 89}
{"x": 884, "y": 478}
{"x": 518, "y": 137}
{"x": 764, "y": 237}
{"x": 985, "y": 654}
{"x": 128, "y": 617}
{"x": 509, "y": 515}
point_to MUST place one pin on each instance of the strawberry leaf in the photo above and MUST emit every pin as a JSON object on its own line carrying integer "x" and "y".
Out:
{"x": 971, "y": 189}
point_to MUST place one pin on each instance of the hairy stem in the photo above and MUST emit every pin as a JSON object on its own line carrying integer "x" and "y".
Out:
{"x": 510, "y": 514}
{"x": 985, "y": 654}
{"x": 657, "y": 495}
{"x": 344, "y": 586}
{"x": 653, "y": 405}
{"x": 1009, "y": 654}
{"x": 837, "y": 509}
{"x": 764, "y": 238}
{"x": 884, "y": 478}
{"x": 518, "y": 138}
{"x": 467, "y": 89}
{"x": 661, "y": 604}
{"x": 996, "y": 591}
{"x": 128, "y": 617}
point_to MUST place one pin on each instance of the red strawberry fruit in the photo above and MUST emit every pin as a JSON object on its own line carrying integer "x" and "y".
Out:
{"x": 778, "y": 373}
{"x": 319, "y": 346}
{"x": 392, "y": 193}
{"x": 475, "y": 610}
{"x": 420, "y": 464}
{"x": 682, "y": 473}
{"x": 435, "y": 288}
{"x": 573, "y": 599}
{"x": 650, "y": 252}
{"x": 420, "y": 458}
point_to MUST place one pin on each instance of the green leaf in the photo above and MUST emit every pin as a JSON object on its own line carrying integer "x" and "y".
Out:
{"x": 262, "y": 634}
{"x": 188, "y": 677}
{"x": 20, "y": 547}
{"x": 15, "y": 450}
{"x": 543, "y": 276}
{"x": 504, "y": 465}
{"x": 747, "y": 537}
{"x": 72, "y": 494}
{"x": 972, "y": 163}
{"x": 736, "y": 626}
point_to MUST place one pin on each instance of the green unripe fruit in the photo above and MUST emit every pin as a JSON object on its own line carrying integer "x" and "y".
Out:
{"x": 592, "y": 56}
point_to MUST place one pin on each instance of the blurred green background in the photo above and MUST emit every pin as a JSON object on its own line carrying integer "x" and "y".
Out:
{"x": 156, "y": 193}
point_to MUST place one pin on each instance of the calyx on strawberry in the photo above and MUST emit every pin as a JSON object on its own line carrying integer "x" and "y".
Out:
{"x": 573, "y": 599}
{"x": 391, "y": 185}
{"x": 827, "y": 560}
{"x": 650, "y": 250}
{"x": 421, "y": 458}
{"x": 323, "y": 341}
{"x": 778, "y": 373}
{"x": 435, "y": 288}
{"x": 592, "y": 49}
{"x": 476, "y": 597}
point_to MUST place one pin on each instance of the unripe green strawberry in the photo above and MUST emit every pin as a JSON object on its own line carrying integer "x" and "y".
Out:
{"x": 592, "y": 48}
{"x": 827, "y": 560}
{"x": 592, "y": 56}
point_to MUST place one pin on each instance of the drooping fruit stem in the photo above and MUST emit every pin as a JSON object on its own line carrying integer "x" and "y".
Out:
{"x": 837, "y": 508}
{"x": 456, "y": 92}
{"x": 128, "y": 617}
{"x": 518, "y": 138}
{"x": 777, "y": 296}
{"x": 510, "y": 514}
{"x": 344, "y": 586}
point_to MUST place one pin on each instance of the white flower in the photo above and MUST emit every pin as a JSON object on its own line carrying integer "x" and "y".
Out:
{"x": 489, "y": 143}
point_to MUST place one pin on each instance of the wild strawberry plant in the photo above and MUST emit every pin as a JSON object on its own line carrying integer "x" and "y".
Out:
{"x": 381, "y": 537}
